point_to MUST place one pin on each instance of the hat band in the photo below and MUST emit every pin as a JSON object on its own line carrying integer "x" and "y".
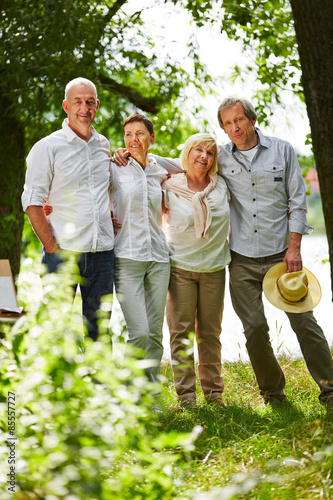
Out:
{"x": 288, "y": 300}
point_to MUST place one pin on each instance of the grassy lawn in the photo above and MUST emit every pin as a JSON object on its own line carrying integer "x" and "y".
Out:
{"x": 82, "y": 440}
{"x": 249, "y": 450}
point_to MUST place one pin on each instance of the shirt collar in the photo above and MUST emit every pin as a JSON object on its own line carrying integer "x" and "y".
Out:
{"x": 151, "y": 161}
{"x": 71, "y": 135}
{"x": 262, "y": 141}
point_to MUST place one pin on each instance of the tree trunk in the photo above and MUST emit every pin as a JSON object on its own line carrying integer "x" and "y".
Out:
{"x": 12, "y": 161}
{"x": 314, "y": 32}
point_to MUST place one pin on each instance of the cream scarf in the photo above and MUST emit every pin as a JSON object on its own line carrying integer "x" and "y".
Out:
{"x": 201, "y": 210}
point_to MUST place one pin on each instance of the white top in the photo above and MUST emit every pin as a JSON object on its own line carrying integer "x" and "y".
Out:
{"x": 74, "y": 175}
{"x": 189, "y": 252}
{"x": 249, "y": 153}
{"x": 136, "y": 201}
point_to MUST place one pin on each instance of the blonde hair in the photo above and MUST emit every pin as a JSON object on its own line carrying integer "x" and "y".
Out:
{"x": 195, "y": 140}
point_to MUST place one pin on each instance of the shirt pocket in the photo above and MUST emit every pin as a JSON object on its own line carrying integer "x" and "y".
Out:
{"x": 274, "y": 178}
{"x": 127, "y": 184}
{"x": 233, "y": 175}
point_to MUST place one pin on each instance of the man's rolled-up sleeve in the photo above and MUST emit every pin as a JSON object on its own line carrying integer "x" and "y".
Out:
{"x": 39, "y": 175}
{"x": 296, "y": 196}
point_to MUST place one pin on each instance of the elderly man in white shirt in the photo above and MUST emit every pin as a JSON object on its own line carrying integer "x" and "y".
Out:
{"x": 70, "y": 169}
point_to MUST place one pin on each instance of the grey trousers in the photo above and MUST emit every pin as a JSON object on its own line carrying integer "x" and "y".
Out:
{"x": 246, "y": 277}
{"x": 141, "y": 289}
{"x": 195, "y": 304}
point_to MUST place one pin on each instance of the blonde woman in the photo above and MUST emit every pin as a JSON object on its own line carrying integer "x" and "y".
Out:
{"x": 197, "y": 215}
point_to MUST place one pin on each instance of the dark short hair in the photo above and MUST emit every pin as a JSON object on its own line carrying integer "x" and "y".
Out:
{"x": 249, "y": 110}
{"x": 140, "y": 118}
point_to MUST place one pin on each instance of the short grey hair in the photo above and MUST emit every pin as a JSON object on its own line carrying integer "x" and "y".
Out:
{"x": 79, "y": 81}
{"x": 195, "y": 140}
{"x": 231, "y": 101}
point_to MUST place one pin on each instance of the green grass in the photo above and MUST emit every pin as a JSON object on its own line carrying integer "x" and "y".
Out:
{"x": 246, "y": 450}
{"x": 255, "y": 451}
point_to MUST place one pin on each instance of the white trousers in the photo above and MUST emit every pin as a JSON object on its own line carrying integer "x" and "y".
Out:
{"x": 141, "y": 289}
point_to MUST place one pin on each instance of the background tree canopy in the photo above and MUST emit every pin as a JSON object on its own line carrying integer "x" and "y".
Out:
{"x": 44, "y": 44}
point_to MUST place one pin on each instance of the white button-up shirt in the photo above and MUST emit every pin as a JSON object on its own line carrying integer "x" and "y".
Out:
{"x": 263, "y": 193}
{"x": 74, "y": 176}
{"x": 136, "y": 201}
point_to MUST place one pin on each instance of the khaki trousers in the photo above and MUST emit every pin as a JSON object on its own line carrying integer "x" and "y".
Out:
{"x": 246, "y": 277}
{"x": 195, "y": 304}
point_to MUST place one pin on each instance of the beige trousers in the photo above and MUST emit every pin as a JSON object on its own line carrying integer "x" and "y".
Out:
{"x": 195, "y": 304}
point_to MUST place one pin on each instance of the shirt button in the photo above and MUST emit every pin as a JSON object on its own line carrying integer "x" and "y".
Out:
{"x": 253, "y": 184}
{"x": 254, "y": 215}
{"x": 253, "y": 199}
{"x": 255, "y": 231}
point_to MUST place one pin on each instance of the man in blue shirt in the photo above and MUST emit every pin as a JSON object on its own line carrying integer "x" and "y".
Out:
{"x": 267, "y": 219}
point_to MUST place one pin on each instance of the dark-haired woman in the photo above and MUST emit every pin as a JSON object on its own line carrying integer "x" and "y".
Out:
{"x": 142, "y": 267}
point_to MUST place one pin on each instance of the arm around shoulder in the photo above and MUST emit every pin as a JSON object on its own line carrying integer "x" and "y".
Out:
{"x": 171, "y": 165}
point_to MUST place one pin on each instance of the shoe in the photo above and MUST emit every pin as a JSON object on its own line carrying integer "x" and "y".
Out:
{"x": 187, "y": 403}
{"x": 217, "y": 401}
{"x": 274, "y": 401}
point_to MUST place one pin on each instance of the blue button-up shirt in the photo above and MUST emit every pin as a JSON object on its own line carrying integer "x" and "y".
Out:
{"x": 264, "y": 193}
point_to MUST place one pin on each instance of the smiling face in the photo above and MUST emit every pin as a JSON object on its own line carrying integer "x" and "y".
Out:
{"x": 239, "y": 128}
{"x": 81, "y": 107}
{"x": 138, "y": 139}
{"x": 201, "y": 158}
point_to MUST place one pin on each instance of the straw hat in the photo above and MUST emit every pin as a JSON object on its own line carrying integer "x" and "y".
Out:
{"x": 292, "y": 292}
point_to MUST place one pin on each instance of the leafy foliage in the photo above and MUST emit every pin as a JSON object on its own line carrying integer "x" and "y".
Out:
{"x": 266, "y": 30}
{"x": 83, "y": 419}
{"x": 44, "y": 44}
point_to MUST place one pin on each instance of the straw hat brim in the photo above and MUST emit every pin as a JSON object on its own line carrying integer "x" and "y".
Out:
{"x": 270, "y": 290}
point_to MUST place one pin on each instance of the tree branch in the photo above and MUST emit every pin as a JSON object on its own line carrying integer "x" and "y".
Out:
{"x": 114, "y": 9}
{"x": 148, "y": 104}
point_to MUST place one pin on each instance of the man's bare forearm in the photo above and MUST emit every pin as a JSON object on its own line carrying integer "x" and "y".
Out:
{"x": 41, "y": 227}
{"x": 293, "y": 255}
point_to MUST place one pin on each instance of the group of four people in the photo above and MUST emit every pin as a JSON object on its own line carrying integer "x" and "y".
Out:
{"x": 255, "y": 179}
